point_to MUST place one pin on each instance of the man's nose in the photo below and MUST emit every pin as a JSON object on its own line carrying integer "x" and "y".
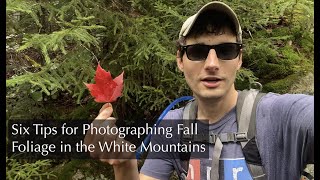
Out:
{"x": 212, "y": 61}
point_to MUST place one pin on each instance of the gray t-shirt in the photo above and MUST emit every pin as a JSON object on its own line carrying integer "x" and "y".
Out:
{"x": 285, "y": 137}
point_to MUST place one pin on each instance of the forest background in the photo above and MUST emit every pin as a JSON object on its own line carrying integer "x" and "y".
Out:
{"x": 53, "y": 46}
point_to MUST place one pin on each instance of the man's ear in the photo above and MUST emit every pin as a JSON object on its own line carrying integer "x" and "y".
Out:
{"x": 179, "y": 61}
{"x": 240, "y": 60}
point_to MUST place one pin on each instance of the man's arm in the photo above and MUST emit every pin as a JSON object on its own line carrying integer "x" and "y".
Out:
{"x": 285, "y": 127}
{"x": 125, "y": 168}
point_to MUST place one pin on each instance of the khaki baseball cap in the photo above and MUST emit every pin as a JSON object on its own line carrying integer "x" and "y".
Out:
{"x": 215, "y": 5}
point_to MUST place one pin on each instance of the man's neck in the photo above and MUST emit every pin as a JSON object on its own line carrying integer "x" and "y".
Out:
{"x": 215, "y": 109}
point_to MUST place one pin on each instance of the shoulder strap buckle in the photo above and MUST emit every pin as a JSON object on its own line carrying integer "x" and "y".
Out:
{"x": 212, "y": 138}
{"x": 233, "y": 137}
{"x": 241, "y": 136}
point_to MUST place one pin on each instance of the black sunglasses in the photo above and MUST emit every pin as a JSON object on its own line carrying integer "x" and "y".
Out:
{"x": 225, "y": 51}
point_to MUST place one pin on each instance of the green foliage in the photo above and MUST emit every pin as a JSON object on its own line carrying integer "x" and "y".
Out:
{"x": 83, "y": 169}
{"x": 138, "y": 37}
{"x": 35, "y": 170}
{"x": 244, "y": 78}
{"x": 281, "y": 85}
{"x": 57, "y": 40}
{"x": 304, "y": 85}
{"x": 67, "y": 75}
{"x": 21, "y": 6}
{"x": 19, "y": 106}
{"x": 280, "y": 51}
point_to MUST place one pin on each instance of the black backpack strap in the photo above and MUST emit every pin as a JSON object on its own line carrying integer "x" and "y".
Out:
{"x": 246, "y": 117}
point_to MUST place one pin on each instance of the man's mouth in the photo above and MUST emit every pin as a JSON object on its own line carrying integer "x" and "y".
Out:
{"x": 211, "y": 82}
{"x": 211, "y": 79}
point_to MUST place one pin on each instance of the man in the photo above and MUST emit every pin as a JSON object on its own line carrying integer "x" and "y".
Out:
{"x": 209, "y": 55}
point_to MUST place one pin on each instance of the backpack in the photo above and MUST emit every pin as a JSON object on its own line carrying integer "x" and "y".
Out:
{"x": 246, "y": 118}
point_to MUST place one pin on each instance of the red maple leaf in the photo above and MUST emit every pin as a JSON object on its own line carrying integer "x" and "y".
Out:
{"x": 106, "y": 89}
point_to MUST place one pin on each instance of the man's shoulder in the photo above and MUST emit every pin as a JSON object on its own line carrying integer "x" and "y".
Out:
{"x": 277, "y": 109}
{"x": 274, "y": 99}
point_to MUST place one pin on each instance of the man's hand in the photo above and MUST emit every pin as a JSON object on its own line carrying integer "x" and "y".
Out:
{"x": 124, "y": 163}
{"x": 104, "y": 119}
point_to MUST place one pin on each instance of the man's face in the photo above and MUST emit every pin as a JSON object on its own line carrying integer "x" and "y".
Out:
{"x": 211, "y": 78}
